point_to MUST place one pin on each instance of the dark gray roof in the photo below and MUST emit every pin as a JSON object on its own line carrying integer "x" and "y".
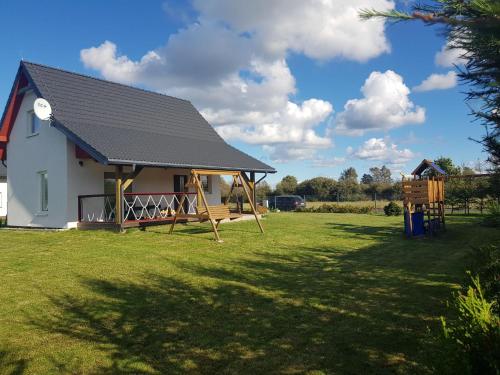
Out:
{"x": 425, "y": 164}
{"x": 116, "y": 123}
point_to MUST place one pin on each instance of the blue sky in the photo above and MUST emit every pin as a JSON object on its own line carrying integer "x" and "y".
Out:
{"x": 292, "y": 77}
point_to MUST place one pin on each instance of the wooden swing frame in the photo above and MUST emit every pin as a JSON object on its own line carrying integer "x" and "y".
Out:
{"x": 215, "y": 214}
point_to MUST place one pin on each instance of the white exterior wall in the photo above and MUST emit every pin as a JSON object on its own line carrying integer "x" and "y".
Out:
{"x": 154, "y": 180}
{"x": 51, "y": 151}
{"x": 26, "y": 157}
{"x": 3, "y": 191}
{"x": 3, "y": 197}
{"x": 213, "y": 197}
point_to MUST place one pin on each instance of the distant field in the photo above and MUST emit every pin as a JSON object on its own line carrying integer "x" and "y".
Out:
{"x": 380, "y": 204}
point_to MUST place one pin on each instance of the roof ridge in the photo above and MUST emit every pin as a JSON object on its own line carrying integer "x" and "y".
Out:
{"x": 103, "y": 80}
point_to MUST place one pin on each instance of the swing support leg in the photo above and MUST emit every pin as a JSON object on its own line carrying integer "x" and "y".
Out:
{"x": 205, "y": 203}
{"x": 243, "y": 183}
{"x": 177, "y": 212}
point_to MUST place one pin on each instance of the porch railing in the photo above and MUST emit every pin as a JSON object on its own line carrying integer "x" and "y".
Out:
{"x": 136, "y": 206}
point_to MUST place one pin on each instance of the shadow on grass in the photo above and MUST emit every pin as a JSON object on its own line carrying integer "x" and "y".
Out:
{"x": 379, "y": 232}
{"x": 194, "y": 229}
{"x": 11, "y": 364}
{"x": 314, "y": 308}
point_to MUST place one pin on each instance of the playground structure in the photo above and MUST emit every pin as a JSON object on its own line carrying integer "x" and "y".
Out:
{"x": 423, "y": 201}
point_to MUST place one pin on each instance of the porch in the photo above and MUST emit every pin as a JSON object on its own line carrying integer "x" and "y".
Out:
{"x": 188, "y": 202}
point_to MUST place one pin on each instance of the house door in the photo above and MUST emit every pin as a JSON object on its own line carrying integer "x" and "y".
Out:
{"x": 180, "y": 182}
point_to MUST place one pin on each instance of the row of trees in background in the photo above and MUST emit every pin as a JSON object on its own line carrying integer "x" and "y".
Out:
{"x": 378, "y": 184}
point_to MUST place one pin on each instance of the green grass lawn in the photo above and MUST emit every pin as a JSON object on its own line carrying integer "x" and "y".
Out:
{"x": 317, "y": 293}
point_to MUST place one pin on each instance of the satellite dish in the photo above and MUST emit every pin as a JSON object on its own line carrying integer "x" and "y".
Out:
{"x": 42, "y": 109}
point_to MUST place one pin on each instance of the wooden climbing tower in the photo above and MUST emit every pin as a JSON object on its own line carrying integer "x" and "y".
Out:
{"x": 423, "y": 200}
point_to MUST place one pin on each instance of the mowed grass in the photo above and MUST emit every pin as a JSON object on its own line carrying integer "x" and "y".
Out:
{"x": 317, "y": 293}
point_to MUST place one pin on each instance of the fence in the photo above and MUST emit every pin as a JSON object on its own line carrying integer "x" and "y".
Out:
{"x": 101, "y": 208}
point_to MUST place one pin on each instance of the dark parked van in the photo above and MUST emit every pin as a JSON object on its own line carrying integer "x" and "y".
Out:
{"x": 286, "y": 202}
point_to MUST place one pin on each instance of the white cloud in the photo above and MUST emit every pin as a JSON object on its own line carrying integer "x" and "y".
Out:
{"x": 438, "y": 82}
{"x": 383, "y": 150}
{"x": 385, "y": 105}
{"x": 328, "y": 162}
{"x": 231, "y": 63}
{"x": 113, "y": 67}
{"x": 448, "y": 56}
{"x": 320, "y": 29}
{"x": 292, "y": 125}
{"x": 283, "y": 153}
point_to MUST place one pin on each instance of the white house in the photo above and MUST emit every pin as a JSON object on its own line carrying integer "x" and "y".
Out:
{"x": 63, "y": 172}
{"x": 3, "y": 191}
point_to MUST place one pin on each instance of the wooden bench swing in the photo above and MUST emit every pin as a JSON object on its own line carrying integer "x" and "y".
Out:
{"x": 215, "y": 213}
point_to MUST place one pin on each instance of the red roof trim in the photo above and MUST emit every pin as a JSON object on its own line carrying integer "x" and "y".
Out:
{"x": 11, "y": 112}
{"x": 81, "y": 154}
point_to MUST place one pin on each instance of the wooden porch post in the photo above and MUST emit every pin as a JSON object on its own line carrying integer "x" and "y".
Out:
{"x": 253, "y": 188}
{"x": 119, "y": 196}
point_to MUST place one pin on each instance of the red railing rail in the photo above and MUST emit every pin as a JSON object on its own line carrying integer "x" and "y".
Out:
{"x": 169, "y": 193}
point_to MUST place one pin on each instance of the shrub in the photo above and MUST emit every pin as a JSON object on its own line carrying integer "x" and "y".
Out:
{"x": 492, "y": 218}
{"x": 338, "y": 208}
{"x": 392, "y": 209}
{"x": 472, "y": 341}
{"x": 486, "y": 264}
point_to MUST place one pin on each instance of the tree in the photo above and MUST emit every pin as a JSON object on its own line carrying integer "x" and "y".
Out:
{"x": 367, "y": 179}
{"x": 446, "y": 164}
{"x": 381, "y": 175}
{"x": 320, "y": 188}
{"x": 348, "y": 187}
{"x": 262, "y": 190}
{"x": 472, "y": 26}
{"x": 349, "y": 174}
{"x": 288, "y": 185}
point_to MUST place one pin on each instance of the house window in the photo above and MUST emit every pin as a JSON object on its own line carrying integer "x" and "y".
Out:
{"x": 44, "y": 191}
{"x": 205, "y": 182}
{"x": 34, "y": 124}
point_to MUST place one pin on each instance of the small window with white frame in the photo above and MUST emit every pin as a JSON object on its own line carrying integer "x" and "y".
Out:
{"x": 34, "y": 124}
{"x": 205, "y": 182}
{"x": 44, "y": 191}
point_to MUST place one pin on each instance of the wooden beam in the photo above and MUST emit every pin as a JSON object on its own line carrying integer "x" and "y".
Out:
{"x": 177, "y": 213}
{"x": 216, "y": 172}
{"x": 254, "y": 188}
{"x": 204, "y": 199}
{"x": 128, "y": 179}
{"x": 119, "y": 196}
{"x": 251, "y": 186}
{"x": 251, "y": 204}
